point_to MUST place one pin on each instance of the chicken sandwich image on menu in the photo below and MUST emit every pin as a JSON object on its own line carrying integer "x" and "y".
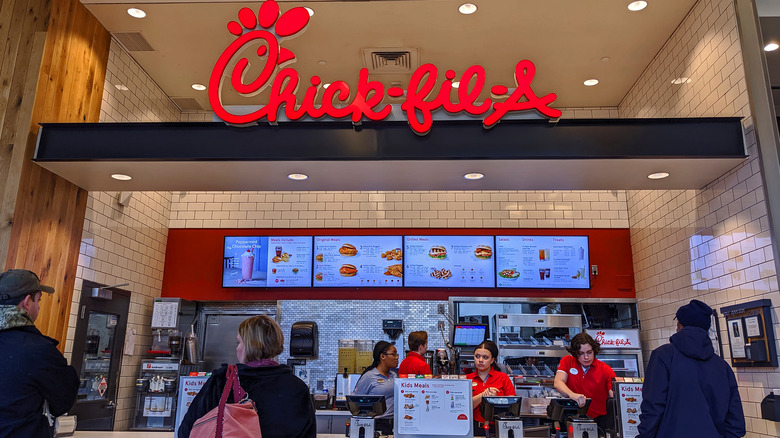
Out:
{"x": 318, "y": 257}
{"x": 348, "y": 270}
{"x": 318, "y": 276}
{"x": 437, "y": 252}
{"x": 348, "y": 250}
{"x": 483, "y": 252}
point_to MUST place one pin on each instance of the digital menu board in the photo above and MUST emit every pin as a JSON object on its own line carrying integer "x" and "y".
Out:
{"x": 548, "y": 262}
{"x": 358, "y": 261}
{"x": 449, "y": 261}
{"x": 259, "y": 261}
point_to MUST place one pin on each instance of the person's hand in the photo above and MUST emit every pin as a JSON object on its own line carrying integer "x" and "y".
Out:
{"x": 490, "y": 392}
{"x": 580, "y": 399}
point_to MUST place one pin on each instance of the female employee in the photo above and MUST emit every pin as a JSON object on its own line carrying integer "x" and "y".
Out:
{"x": 378, "y": 380}
{"x": 582, "y": 376}
{"x": 487, "y": 380}
{"x": 282, "y": 400}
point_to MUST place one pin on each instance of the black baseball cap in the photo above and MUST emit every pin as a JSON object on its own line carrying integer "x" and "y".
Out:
{"x": 20, "y": 282}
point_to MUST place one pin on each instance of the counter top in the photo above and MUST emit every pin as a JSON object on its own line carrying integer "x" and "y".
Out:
{"x": 333, "y": 413}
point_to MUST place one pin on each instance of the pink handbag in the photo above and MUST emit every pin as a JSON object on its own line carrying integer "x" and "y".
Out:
{"x": 229, "y": 420}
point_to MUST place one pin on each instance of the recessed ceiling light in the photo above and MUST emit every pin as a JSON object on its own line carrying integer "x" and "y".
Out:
{"x": 322, "y": 62}
{"x": 591, "y": 82}
{"x": 199, "y": 87}
{"x": 637, "y": 6}
{"x": 681, "y": 80}
{"x": 456, "y": 85}
{"x": 137, "y": 13}
{"x": 121, "y": 177}
{"x": 121, "y": 87}
{"x": 467, "y": 8}
{"x": 771, "y": 47}
{"x": 658, "y": 175}
{"x": 310, "y": 11}
{"x": 605, "y": 59}
{"x": 474, "y": 175}
{"x": 298, "y": 176}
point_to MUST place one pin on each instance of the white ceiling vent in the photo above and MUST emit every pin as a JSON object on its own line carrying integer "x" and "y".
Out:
{"x": 390, "y": 60}
{"x": 133, "y": 41}
{"x": 187, "y": 103}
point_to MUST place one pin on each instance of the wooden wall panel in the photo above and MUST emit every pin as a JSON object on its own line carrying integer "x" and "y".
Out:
{"x": 49, "y": 211}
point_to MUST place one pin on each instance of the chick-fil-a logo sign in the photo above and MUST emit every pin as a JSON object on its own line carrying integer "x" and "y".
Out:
{"x": 615, "y": 339}
{"x": 422, "y": 98}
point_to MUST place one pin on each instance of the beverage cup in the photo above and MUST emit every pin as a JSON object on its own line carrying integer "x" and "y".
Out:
{"x": 547, "y": 254}
{"x": 541, "y": 254}
{"x": 247, "y": 262}
{"x": 278, "y": 251}
{"x": 546, "y": 272}
{"x": 541, "y": 273}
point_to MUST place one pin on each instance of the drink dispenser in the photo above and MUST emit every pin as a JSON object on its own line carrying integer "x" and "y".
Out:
{"x": 347, "y": 356}
{"x": 365, "y": 355}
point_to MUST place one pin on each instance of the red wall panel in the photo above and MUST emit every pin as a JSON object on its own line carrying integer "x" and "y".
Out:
{"x": 193, "y": 267}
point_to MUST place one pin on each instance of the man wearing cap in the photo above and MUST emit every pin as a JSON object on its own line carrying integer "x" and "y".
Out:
{"x": 36, "y": 383}
{"x": 689, "y": 390}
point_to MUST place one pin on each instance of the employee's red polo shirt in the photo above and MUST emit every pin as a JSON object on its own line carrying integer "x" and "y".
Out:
{"x": 595, "y": 384}
{"x": 495, "y": 379}
{"x": 414, "y": 364}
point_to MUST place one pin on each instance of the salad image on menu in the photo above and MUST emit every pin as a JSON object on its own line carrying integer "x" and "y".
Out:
{"x": 358, "y": 261}
{"x": 542, "y": 262}
{"x": 449, "y": 261}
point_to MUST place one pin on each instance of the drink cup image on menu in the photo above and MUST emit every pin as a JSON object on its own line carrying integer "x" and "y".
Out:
{"x": 247, "y": 262}
{"x": 542, "y": 272}
{"x": 541, "y": 255}
{"x": 546, "y": 272}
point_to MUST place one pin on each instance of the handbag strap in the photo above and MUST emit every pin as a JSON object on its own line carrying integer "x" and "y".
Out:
{"x": 231, "y": 383}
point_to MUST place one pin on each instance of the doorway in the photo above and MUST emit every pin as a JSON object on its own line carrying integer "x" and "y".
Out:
{"x": 97, "y": 354}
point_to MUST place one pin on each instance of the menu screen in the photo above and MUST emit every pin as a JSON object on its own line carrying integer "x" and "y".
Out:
{"x": 449, "y": 261}
{"x": 358, "y": 261}
{"x": 548, "y": 262}
{"x": 255, "y": 261}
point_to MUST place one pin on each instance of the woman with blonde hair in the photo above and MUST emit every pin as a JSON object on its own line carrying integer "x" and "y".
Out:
{"x": 283, "y": 402}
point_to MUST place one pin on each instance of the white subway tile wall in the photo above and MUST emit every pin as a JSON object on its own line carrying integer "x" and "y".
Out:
{"x": 711, "y": 244}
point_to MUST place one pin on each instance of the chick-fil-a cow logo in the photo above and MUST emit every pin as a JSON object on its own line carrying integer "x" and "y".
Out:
{"x": 421, "y": 100}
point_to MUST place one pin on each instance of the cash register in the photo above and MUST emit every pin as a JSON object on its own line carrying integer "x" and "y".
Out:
{"x": 364, "y": 409}
{"x": 505, "y": 410}
{"x": 570, "y": 420}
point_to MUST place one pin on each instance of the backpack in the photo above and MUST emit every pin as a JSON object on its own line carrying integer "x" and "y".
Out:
{"x": 230, "y": 420}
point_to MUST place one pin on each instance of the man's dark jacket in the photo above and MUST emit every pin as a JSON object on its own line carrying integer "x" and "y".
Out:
{"x": 32, "y": 370}
{"x": 689, "y": 391}
{"x": 282, "y": 400}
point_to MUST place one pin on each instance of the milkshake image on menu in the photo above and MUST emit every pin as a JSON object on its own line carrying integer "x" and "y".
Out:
{"x": 247, "y": 261}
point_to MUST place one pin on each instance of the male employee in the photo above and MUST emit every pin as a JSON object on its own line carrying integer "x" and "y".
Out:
{"x": 36, "y": 383}
{"x": 415, "y": 362}
{"x": 689, "y": 390}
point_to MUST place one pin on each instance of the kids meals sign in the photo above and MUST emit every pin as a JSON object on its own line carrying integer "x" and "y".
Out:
{"x": 422, "y": 97}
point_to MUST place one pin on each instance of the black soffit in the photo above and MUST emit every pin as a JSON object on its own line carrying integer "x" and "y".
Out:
{"x": 713, "y": 145}
{"x": 567, "y": 139}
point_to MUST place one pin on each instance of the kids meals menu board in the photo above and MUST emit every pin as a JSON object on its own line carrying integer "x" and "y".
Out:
{"x": 449, "y": 261}
{"x": 547, "y": 262}
{"x": 432, "y": 407}
{"x": 358, "y": 261}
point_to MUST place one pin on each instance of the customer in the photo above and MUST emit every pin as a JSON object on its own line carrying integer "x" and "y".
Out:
{"x": 378, "y": 379}
{"x": 35, "y": 378}
{"x": 581, "y": 376}
{"x": 689, "y": 390}
{"x": 415, "y": 362}
{"x": 487, "y": 381}
{"x": 283, "y": 402}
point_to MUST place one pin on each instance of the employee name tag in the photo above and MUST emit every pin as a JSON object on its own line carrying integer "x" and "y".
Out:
{"x": 573, "y": 371}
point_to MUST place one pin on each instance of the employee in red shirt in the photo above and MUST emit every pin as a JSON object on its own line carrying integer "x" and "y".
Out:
{"x": 487, "y": 381}
{"x": 582, "y": 376}
{"x": 415, "y": 363}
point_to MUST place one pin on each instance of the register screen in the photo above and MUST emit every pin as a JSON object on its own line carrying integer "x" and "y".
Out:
{"x": 469, "y": 335}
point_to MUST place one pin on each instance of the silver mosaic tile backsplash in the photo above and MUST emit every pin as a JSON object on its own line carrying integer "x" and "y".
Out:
{"x": 358, "y": 319}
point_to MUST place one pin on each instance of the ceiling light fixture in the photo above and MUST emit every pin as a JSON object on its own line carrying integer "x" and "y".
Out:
{"x": 121, "y": 177}
{"x": 322, "y": 62}
{"x": 771, "y": 47}
{"x": 199, "y": 87}
{"x": 121, "y": 87}
{"x": 467, "y": 8}
{"x": 298, "y": 176}
{"x": 681, "y": 80}
{"x": 637, "y": 6}
{"x": 137, "y": 13}
{"x": 658, "y": 175}
{"x": 310, "y": 11}
{"x": 591, "y": 82}
{"x": 474, "y": 175}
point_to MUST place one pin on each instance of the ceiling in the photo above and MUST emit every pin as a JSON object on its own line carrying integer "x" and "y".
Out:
{"x": 569, "y": 41}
